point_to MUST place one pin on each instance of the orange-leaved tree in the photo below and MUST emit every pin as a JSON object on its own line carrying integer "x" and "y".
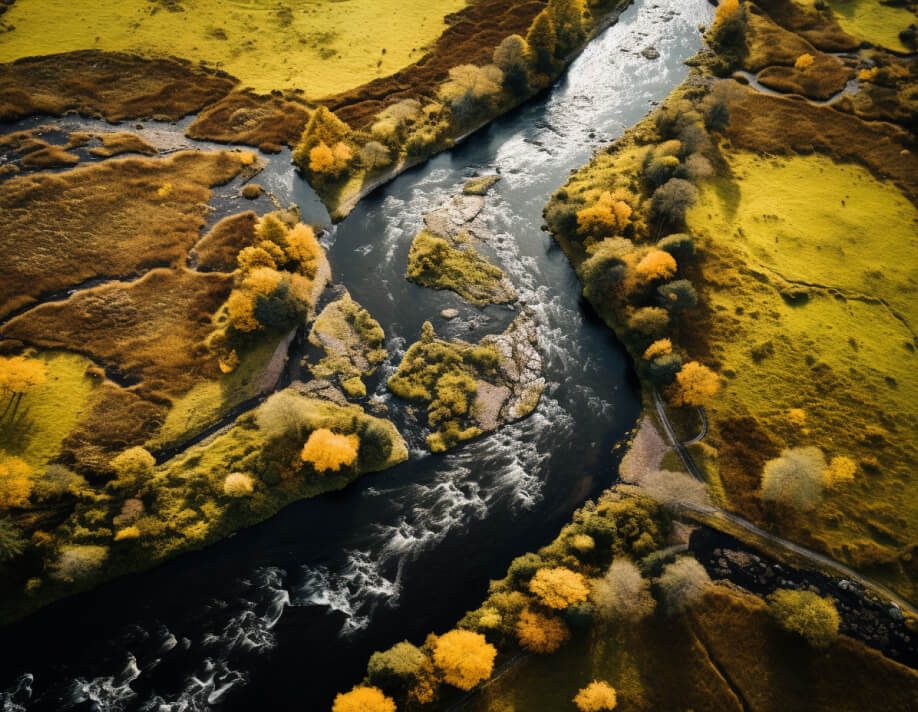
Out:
{"x": 695, "y": 384}
{"x": 596, "y": 697}
{"x": 539, "y": 633}
{"x": 363, "y": 699}
{"x": 464, "y": 658}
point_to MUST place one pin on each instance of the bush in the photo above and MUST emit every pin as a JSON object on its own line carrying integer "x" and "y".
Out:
{"x": 680, "y": 245}
{"x": 464, "y": 658}
{"x": 15, "y": 483}
{"x": 656, "y": 264}
{"x": 396, "y": 668}
{"x": 671, "y": 200}
{"x": 795, "y": 478}
{"x": 660, "y": 347}
{"x": 664, "y": 369}
{"x": 514, "y": 57}
{"x": 543, "y": 41}
{"x": 326, "y": 450}
{"x": 650, "y": 322}
{"x": 559, "y": 587}
{"x": 568, "y": 20}
{"x": 523, "y": 568}
{"x": 78, "y": 562}
{"x": 814, "y": 618}
{"x": 374, "y": 155}
{"x": 12, "y": 543}
{"x": 133, "y": 466}
{"x": 596, "y": 697}
{"x": 695, "y": 385}
{"x": 622, "y": 594}
{"x": 238, "y": 484}
{"x": 470, "y": 90}
{"x": 363, "y": 699}
{"x": 678, "y": 295}
{"x": 683, "y": 582}
{"x": 539, "y": 633}
{"x": 841, "y": 470}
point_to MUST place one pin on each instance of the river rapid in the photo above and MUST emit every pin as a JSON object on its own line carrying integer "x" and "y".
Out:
{"x": 283, "y": 615}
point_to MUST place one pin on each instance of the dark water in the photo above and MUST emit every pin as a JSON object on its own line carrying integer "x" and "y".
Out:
{"x": 283, "y": 615}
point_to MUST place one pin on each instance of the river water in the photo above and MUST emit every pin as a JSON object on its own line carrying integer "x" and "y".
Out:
{"x": 283, "y": 615}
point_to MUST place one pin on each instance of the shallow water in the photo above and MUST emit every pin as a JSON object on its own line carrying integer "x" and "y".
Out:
{"x": 286, "y": 613}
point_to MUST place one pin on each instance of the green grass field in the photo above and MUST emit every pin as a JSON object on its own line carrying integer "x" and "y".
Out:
{"x": 839, "y": 354}
{"x": 321, "y": 46}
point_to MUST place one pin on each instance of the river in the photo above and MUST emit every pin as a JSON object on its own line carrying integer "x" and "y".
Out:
{"x": 283, "y": 615}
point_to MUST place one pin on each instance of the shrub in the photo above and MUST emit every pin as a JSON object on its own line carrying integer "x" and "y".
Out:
{"x": 729, "y": 24}
{"x": 539, "y": 633}
{"x": 605, "y": 269}
{"x": 77, "y": 562}
{"x": 649, "y": 321}
{"x": 795, "y": 478}
{"x": 660, "y": 347}
{"x": 659, "y": 169}
{"x": 622, "y": 594}
{"x": 804, "y": 62}
{"x": 680, "y": 245}
{"x": 683, "y": 582}
{"x": 672, "y": 199}
{"x": 514, "y": 57}
{"x": 582, "y": 543}
{"x": 464, "y": 658}
{"x": 133, "y": 466}
{"x": 664, "y": 369}
{"x": 12, "y": 543}
{"x": 656, "y": 264}
{"x": 568, "y": 19}
{"x": 326, "y": 450}
{"x": 374, "y": 155}
{"x": 697, "y": 167}
{"x": 470, "y": 90}
{"x": 397, "y": 667}
{"x": 811, "y": 616}
{"x": 695, "y": 385}
{"x": 596, "y": 697}
{"x": 57, "y": 483}
{"x": 543, "y": 41}
{"x": 238, "y": 484}
{"x": 840, "y": 470}
{"x": 523, "y": 568}
{"x": 610, "y": 215}
{"x": 363, "y": 699}
{"x": 559, "y": 587}
{"x": 678, "y": 295}
{"x": 127, "y": 533}
{"x": 15, "y": 483}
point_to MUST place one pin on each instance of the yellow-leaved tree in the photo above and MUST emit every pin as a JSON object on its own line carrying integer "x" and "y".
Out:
{"x": 559, "y": 587}
{"x": 18, "y": 375}
{"x": 326, "y": 450}
{"x": 464, "y": 658}
{"x": 363, "y": 699}
{"x": 598, "y": 696}
{"x": 695, "y": 385}
{"x": 15, "y": 483}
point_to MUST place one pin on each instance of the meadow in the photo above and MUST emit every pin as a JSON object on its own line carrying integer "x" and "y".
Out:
{"x": 319, "y": 46}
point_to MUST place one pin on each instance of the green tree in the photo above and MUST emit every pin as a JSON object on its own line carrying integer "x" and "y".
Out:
{"x": 803, "y": 612}
{"x": 677, "y": 295}
{"x": 396, "y": 668}
{"x": 568, "y": 18}
{"x": 543, "y": 41}
{"x": 514, "y": 57}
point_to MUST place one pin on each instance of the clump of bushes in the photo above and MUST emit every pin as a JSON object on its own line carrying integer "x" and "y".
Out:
{"x": 807, "y": 614}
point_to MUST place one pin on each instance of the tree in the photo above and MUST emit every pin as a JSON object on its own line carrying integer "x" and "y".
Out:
{"x": 15, "y": 483}
{"x": 649, "y": 321}
{"x": 672, "y": 199}
{"x": 804, "y": 62}
{"x": 660, "y": 347}
{"x": 596, "y": 697}
{"x": 12, "y": 543}
{"x": 608, "y": 216}
{"x": 133, "y": 466}
{"x": 363, "y": 699}
{"x": 523, "y": 568}
{"x": 729, "y": 24}
{"x": 238, "y": 484}
{"x": 326, "y": 450}
{"x": 470, "y": 89}
{"x": 514, "y": 58}
{"x": 568, "y": 18}
{"x": 656, "y": 264}
{"x": 795, "y": 478}
{"x": 323, "y": 127}
{"x": 559, "y": 587}
{"x": 398, "y": 667}
{"x": 841, "y": 470}
{"x": 539, "y": 633}
{"x": 604, "y": 271}
{"x": 622, "y": 594}
{"x": 464, "y": 658}
{"x": 18, "y": 375}
{"x": 809, "y": 615}
{"x": 330, "y": 160}
{"x": 678, "y": 295}
{"x": 695, "y": 385}
{"x": 682, "y": 583}
{"x": 543, "y": 41}
{"x": 375, "y": 155}
{"x": 680, "y": 245}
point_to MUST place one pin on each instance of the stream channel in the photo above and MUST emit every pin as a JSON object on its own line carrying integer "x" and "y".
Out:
{"x": 283, "y": 615}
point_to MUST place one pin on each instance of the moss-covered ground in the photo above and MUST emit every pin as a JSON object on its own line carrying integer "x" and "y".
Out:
{"x": 321, "y": 46}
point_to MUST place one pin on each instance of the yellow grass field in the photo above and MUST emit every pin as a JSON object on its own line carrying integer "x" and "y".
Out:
{"x": 320, "y": 46}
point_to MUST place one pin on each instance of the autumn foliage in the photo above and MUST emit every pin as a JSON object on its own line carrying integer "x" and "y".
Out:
{"x": 596, "y": 697}
{"x": 695, "y": 385}
{"x": 608, "y": 216}
{"x": 363, "y": 699}
{"x": 656, "y": 264}
{"x": 326, "y": 450}
{"x": 15, "y": 483}
{"x": 464, "y": 658}
{"x": 540, "y": 633}
{"x": 559, "y": 587}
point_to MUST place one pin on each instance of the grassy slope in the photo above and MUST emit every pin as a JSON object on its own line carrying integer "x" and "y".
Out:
{"x": 707, "y": 660}
{"x": 873, "y": 21}
{"x": 849, "y": 364}
{"x": 322, "y": 46}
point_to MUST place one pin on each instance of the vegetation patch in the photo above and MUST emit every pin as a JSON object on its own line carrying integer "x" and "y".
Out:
{"x": 470, "y": 389}
{"x": 880, "y": 23}
{"x": 321, "y": 47}
{"x": 153, "y": 208}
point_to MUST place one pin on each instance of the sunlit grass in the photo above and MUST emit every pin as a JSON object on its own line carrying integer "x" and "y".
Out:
{"x": 320, "y": 46}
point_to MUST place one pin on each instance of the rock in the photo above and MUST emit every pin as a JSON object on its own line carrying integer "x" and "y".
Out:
{"x": 650, "y": 53}
{"x": 449, "y": 313}
{"x": 489, "y": 401}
